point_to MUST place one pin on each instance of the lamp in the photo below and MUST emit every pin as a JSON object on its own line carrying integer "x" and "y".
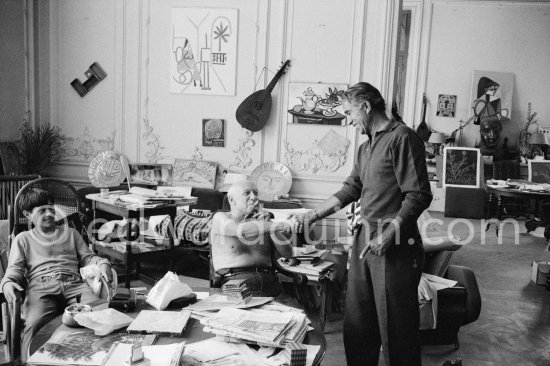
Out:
{"x": 538, "y": 140}
{"x": 436, "y": 139}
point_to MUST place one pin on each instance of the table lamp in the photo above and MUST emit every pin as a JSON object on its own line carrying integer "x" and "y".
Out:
{"x": 436, "y": 139}
{"x": 537, "y": 140}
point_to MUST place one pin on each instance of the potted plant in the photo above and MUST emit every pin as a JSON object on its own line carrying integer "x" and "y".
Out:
{"x": 531, "y": 126}
{"x": 40, "y": 146}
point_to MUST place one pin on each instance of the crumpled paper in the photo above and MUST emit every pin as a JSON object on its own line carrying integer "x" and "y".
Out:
{"x": 170, "y": 287}
{"x": 103, "y": 322}
{"x": 91, "y": 274}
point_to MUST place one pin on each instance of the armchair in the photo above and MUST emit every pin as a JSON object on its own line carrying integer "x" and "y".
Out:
{"x": 457, "y": 306}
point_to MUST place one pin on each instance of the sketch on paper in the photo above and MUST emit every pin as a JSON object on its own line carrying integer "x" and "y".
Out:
{"x": 461, "y": 167}
{"x": 213, "y": 132}
{"x": 315, "y": 104}
{"x": 446, "y": 105}
{"x": 203, "y": 55}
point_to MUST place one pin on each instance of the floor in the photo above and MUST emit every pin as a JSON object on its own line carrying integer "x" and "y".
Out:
{"x": 514, "y": 325}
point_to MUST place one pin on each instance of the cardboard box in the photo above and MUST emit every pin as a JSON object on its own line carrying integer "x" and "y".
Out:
{"x": 539, "y": 272}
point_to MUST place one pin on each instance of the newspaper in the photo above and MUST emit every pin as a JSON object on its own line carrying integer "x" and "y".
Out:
{"x": 262, "y": 327}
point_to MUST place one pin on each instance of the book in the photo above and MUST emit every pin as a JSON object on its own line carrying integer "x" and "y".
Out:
{"x": 82, "y": 347}
{"x": 165, "y": 323}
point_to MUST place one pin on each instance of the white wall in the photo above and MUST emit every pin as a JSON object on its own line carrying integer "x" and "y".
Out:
{"x": 503, "y": 36}
{"x": 12, "y": 69}
{"x": 133, "y": 111}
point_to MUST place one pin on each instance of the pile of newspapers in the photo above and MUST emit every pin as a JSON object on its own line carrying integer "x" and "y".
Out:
{"x": 258, "y": 326}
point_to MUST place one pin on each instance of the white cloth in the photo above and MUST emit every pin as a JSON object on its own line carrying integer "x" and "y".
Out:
{"x": 91, "y": 274}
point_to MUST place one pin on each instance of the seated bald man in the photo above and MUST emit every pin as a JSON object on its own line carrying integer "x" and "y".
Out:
{"x": 245, "y": 239}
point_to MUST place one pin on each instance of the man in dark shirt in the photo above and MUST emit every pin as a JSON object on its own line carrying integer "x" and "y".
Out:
{"x": 391, "y": 179}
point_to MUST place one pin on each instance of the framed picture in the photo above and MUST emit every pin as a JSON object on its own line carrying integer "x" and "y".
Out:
{"x": 151, "y": 174}
{"x": 539, "y": 171}
{"x": 194, "y": 173}
{"x": 203, "y": 51}
{"x": 446, "y": 105}
{"x": 316, "y": 104}
{"x": 461, "y": 167}
{"x": 213, "y": 132}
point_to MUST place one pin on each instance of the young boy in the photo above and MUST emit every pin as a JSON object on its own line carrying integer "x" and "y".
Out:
{"x": 47, "y": 258}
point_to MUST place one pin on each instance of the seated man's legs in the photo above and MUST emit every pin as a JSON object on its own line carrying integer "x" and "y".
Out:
{"x": 43, "y": 302}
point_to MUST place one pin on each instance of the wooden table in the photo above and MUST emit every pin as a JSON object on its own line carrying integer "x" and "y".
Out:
{"x": 499, "y": 193}
{"x": 131, "y": 258}
{"x": 193, "y": 331}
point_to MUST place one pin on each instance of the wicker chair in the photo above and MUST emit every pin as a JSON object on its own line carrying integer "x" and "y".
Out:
{"x": 67, "y": 200}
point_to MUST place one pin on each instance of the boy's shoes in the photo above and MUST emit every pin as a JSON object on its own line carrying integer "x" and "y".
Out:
{"x": 455, "y": 362}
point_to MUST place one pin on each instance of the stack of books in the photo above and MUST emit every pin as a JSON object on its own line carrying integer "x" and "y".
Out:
{"x": 236, "y": 291}
{"x": 259, "y": 327}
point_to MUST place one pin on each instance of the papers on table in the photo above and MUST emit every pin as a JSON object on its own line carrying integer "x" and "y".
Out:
{"x": 262, "y": 327}
{"x": 311, "y": 271}
{"x": 170, "y": 323}
{"x": 438, "y": 283}
{"x": 103, "y": 322}
{"x": 217, "y": 302}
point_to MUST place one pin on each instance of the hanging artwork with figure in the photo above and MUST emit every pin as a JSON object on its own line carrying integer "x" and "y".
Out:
{"x": 213, "y": 132}
{"x": 446, "y": 105}
{"x": 492, "y": 106}
{"x": 461, "y": 167}
{"x": 203, "y": 54}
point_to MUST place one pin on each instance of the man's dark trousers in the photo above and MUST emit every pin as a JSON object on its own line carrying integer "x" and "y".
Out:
{"x": 382, "y": 302}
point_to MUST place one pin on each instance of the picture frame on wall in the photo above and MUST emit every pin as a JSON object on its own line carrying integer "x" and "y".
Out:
{"x": 538, "y": 171}
{"x": 316, "y": 104}
{"x": 203, "y": 51}
{"x": 151, "y": 174}
{"x": 461, "y": 167}
{"x": 195, "y": 173}
{"x": 213, "y": 132}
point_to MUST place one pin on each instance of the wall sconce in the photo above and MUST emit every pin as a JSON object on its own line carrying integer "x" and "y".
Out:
{"x": 94, "y": 74}
{"x": 538, "y": 141}
{"x": 436, "y": 139}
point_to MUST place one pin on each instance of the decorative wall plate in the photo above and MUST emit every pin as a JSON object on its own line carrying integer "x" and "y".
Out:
{"x": 271, "y": 179}
{"x": 107, "y": 170}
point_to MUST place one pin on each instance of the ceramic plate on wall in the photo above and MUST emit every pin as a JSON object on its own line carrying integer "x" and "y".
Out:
{"x": 107, "y": 170}
{"x": 271, "y": 179}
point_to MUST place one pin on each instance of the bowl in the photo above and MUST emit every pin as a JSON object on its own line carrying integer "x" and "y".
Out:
{"x": 71, "y": 311}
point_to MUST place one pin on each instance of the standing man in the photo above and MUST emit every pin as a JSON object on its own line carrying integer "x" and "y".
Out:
{"x": 391, "y": 179}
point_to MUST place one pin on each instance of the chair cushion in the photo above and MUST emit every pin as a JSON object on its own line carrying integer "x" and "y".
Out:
{"x": 190, "y": 227}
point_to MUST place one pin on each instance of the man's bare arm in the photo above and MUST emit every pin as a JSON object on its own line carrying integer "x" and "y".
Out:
{"x": 223, "y": 225}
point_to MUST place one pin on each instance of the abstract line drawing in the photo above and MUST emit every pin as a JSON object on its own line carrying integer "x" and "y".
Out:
{"x": 203, "y": 51}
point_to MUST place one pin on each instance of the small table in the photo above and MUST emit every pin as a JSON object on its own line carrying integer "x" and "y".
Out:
{"x": 130, "y": 258}
{"x": 193, "y": 331}
{"x": 524, "y": 194}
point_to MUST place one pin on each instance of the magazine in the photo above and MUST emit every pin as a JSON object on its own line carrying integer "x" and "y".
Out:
{"x": 82, "y": 347}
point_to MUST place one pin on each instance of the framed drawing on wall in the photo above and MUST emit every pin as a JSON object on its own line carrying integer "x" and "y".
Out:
{"x": 203, "y": 52}
{"x": 461, "y": 167}
{"x": 539, "y": 171}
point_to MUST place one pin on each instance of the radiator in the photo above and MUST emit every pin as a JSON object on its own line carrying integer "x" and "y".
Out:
{"x": 9, "y": 186}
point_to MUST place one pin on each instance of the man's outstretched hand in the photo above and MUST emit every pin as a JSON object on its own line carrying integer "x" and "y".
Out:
{"x": 301, "y": 221}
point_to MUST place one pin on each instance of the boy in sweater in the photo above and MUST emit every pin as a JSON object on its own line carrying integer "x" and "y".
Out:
{"x": 47, "y": 259}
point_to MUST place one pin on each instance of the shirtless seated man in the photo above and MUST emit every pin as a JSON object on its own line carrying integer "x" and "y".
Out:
{"x": 244, "y": 240}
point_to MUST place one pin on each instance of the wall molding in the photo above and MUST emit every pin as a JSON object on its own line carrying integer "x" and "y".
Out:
{"x": 153, "y": 153}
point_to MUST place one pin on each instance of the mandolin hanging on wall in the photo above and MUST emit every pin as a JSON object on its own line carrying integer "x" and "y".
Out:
{"x": 253, "y": 112}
